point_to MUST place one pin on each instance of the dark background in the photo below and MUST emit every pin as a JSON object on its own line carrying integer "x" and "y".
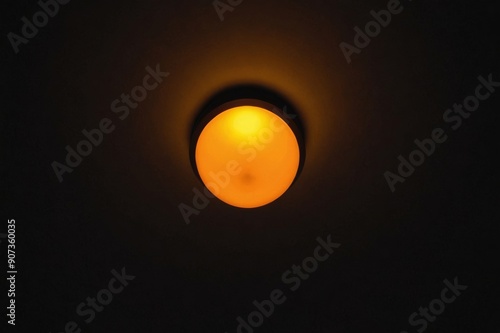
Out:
{"x": 119, "y": 208}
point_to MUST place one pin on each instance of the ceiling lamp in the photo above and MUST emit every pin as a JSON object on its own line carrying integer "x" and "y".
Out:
{"x": 247, "y": 152}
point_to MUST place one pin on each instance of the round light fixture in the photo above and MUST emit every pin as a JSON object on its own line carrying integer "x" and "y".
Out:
{"x": 247, "y": 152}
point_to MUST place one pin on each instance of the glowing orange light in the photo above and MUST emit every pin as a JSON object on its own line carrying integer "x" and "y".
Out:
{"x": 247, "y": 156}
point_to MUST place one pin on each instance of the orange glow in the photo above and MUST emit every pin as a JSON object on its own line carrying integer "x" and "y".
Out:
{"x": 247, "y": 156}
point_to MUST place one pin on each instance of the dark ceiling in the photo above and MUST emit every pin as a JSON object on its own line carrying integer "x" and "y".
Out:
{"x": 119, "y": 207}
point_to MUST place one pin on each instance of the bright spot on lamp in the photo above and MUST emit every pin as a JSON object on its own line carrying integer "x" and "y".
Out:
{"x": 247, "y": 153}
